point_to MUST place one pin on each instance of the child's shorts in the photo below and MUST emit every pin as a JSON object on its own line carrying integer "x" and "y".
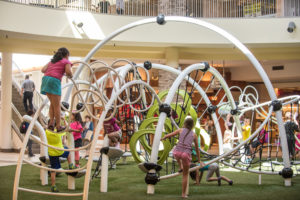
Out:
{"x": 54, "y": 160}
{"x": 78, "y": 143}
{"x": 185, "y": 157}
{"x": 214, "y": 167}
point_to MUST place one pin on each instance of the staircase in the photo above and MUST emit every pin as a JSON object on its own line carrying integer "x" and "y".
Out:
{"x": 17, "y": 101}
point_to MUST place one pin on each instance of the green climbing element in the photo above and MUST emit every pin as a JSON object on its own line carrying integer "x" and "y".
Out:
{"x": 141, "y": 156}
{"x": 141, "y": 141}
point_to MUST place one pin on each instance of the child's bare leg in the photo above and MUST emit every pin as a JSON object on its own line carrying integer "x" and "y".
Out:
{"x": 185, "y": 174}
{"x": 51, "y": 109}
{"x": 211, "y": 179}
{"x": 53, "y": 176}
{"x": 56, "y": 101}
{"x": 69, "y": 158}
{"x": 225, "y": 179}
{"x": 179, "y": 163}
{"x": 77, "y": 157}
{"x": 113, "y": 139}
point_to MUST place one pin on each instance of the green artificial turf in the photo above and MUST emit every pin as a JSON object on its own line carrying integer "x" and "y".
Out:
{"x": 127, "y": 182}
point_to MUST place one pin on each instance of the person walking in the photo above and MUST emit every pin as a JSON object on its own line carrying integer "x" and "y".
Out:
{"x": 27, "y": 90}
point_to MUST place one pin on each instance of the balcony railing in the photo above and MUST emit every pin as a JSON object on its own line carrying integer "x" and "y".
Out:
{"x": 190, "y": 8}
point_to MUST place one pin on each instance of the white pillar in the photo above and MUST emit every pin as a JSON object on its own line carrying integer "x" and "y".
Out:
{"x": 6, "y": 98}
{"x": 104, "y": 168}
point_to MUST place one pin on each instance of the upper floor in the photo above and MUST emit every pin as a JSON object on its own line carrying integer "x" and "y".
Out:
{"x": 189, "y": 8}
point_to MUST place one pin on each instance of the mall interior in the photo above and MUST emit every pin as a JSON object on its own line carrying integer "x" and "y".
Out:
{"x": 224, "y": 61}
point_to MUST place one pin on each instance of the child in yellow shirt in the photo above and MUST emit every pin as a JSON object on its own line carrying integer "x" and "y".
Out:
{"x": 55, "y": 139}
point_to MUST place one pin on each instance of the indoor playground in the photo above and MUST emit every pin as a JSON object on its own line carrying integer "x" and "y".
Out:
{"x": 118, "y": 123}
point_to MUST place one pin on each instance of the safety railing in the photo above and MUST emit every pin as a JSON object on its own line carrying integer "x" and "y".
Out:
{"x": 190, "y": 8}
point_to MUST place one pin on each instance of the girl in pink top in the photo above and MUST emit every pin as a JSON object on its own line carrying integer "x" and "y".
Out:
{"x": 51, "y": 84}
{"x": 76, "y": 128}
{"x": 183, "y": 150}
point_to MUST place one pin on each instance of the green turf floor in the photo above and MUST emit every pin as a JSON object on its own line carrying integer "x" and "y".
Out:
{"x": 127, "y": 183}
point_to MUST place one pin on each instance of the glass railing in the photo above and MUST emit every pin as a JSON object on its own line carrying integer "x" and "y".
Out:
{"x": 190, "y": 8}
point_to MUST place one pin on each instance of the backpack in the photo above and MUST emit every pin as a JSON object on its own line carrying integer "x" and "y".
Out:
{"x": 23, "y": 128}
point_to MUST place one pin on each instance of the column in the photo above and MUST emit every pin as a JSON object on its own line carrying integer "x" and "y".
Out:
{"x": 280, "y": 8}
{"x": 166, "y": 79}
{"x": 6, "y": 99}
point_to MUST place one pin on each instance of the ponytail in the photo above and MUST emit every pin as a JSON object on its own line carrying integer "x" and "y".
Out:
{"x": 60, "y": 54}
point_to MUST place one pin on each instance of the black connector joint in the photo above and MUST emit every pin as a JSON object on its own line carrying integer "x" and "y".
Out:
{"x": 166, "y": 108}
{"x": 277, "y": 105}
{"x": 104, "y": 150}
{"x": 286, "y": 173}
{"x": 147, "y": 65}
{"x": 160, "y": 19}
{"x": 206, "y": 67}
{"x": 211, "y": 109}
{"x": 234, "y": 111}
{"x": 152, "y": 178}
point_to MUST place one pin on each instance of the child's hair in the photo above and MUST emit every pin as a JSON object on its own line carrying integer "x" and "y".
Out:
{"x": 188, "y": 123}
{"x": 193, "y": 173}
{"x": 77, "y": 117}
{"x": 60, "y": 54}
{"x": 87, "y": 116}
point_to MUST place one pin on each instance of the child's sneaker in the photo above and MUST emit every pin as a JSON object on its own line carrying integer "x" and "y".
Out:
{"x": 72, "y": 166}
{"x": 219, "y": 181}
{"x": 54, "y": 188}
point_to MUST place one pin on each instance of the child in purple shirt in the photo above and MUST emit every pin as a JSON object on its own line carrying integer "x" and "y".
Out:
{"x": 113, "y": 130}
{"x": 183, "y": 150}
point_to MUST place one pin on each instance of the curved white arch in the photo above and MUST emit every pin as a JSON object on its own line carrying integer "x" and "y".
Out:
{"x": 224, "y": 34}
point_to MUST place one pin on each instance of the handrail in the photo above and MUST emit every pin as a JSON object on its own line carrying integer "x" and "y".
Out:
{"x": 16, "y": 130}
{"x": 191, "y": 8}
{"x": 16, "y": 112}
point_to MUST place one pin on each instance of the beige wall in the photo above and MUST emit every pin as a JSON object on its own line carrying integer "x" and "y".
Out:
{"x": 291, "y": 72}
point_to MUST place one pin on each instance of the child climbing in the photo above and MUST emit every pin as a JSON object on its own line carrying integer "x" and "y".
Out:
{"x": 76, "y": 129}
{"x": 246, "y": 132}
{"x": 183, "y": 150}
{"x": 211, "y": 169}
{"x": 112, "y": 129}
{"x": 51, "y": 84}
{"x": 55, "y": 139}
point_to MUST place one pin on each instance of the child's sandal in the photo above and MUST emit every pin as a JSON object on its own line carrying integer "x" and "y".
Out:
{"x": 60, "y": 129}
{"x": 51, "y": 127}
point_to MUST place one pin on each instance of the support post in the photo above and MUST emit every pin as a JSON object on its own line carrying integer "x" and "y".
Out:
{"x": 71, "y": 179}
{"x": 104, "y": 168}
{"x": 155, "y": 147}
{"x": 6, "y": 98}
